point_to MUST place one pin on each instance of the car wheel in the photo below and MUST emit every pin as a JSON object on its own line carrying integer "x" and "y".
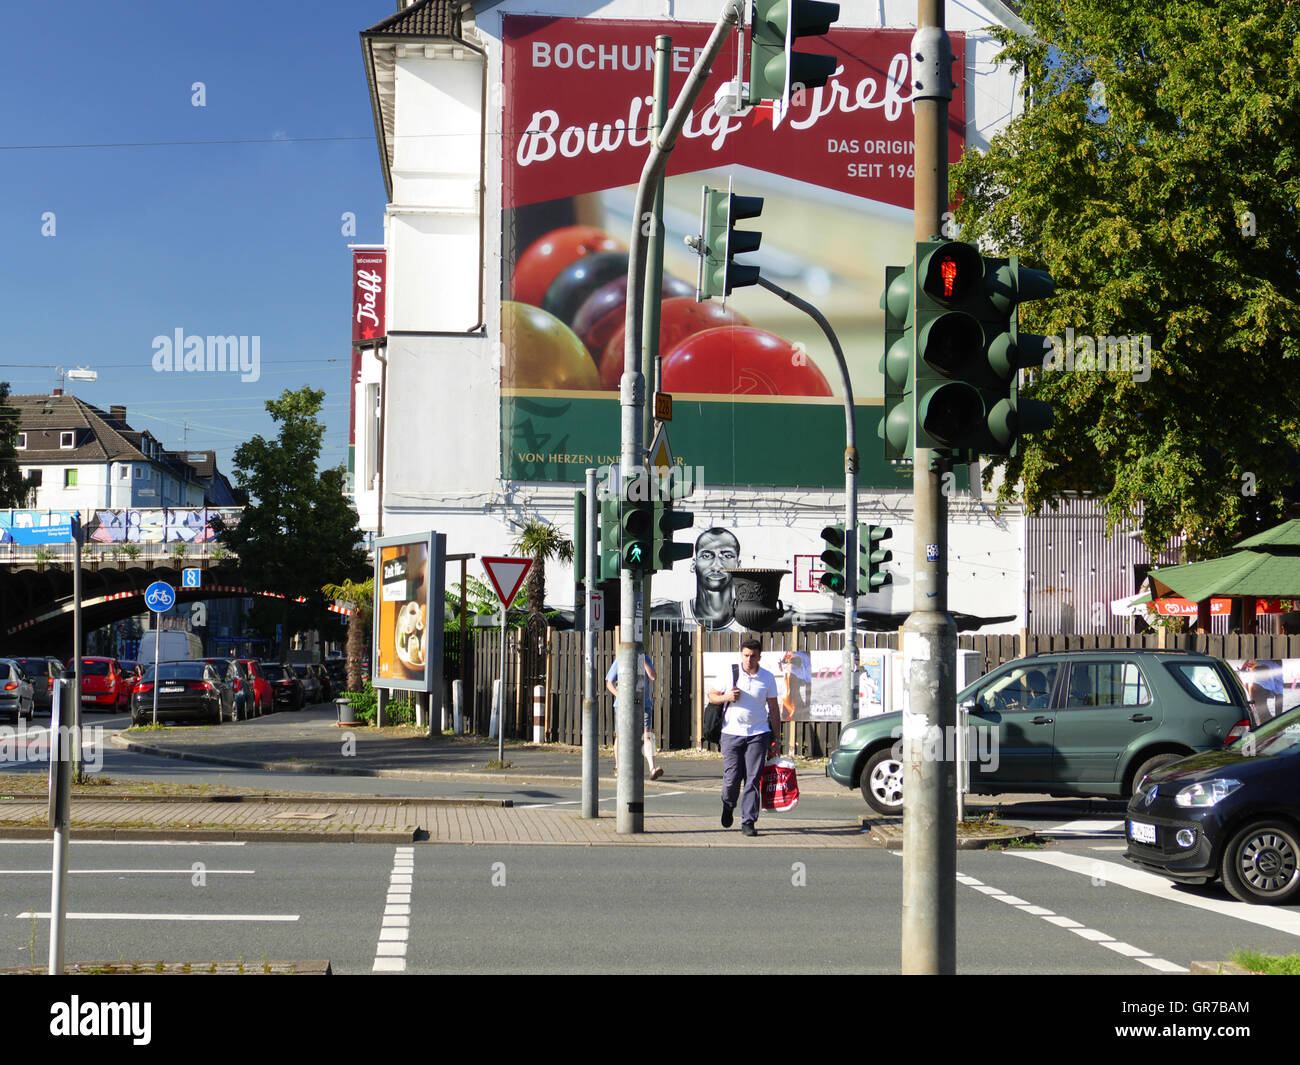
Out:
{"x": 1153, "y": 763}
{"x": 1262, "y": 863}
{"x": 882, "y": 782}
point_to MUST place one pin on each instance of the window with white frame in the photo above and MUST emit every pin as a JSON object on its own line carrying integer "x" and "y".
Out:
{"x": 22, "y": 442}
{"x": 67, "y": 439}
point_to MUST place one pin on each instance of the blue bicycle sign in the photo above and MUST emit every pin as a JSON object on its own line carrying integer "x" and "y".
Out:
{"x": 159, "y": 597}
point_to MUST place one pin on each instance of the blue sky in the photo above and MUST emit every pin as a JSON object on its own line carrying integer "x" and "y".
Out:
{"x": 227, "y": 239}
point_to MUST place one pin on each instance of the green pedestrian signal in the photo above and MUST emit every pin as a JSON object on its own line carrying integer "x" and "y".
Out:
{"x": 719, "y": 273}
{"x": 872, "y": 558}
{"x": 775, "y": 68}
{"x": 667, "y": 521}
{"x": 835, "y": 559}
{"x": 636, "y": 523}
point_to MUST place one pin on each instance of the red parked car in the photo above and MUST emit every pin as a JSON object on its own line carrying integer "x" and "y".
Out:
{"x": 105, "y": 685}
{"x": 262, "y": 694}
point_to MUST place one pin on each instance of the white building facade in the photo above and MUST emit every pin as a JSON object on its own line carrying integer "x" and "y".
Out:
{"x": 474, "y": 413}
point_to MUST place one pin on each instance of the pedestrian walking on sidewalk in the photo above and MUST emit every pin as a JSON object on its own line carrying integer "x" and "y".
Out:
{"x": 751, "y": 731}
{"x": 648, "y": 737}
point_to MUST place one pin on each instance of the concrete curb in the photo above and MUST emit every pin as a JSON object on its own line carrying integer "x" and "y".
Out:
{"x": 103, "y": 834}
{"x": 889, "y": 834}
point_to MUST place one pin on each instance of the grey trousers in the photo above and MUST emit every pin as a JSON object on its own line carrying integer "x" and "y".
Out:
{"x": 744, "y": 757}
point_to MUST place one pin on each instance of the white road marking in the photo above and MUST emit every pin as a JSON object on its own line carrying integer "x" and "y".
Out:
{"x": 1085, "y": 828}
{"x": 1278, "y": 919}
{"x": 1101, "y": 938}
{"x": 246, "y": 917}
{"x": 122, "y": 872}
{"x": 395, "y": 926}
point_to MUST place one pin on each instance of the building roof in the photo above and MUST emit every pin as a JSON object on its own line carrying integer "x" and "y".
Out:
{"x": 101, "y": 437}
{"x": 427, "y": 18}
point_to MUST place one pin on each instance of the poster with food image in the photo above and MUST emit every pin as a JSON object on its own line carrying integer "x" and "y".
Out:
{"x": 409, "y": 582}
{"x": 758, "y": 397}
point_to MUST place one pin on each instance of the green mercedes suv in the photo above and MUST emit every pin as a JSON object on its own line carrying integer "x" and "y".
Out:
{"x": 1081, "y": 723}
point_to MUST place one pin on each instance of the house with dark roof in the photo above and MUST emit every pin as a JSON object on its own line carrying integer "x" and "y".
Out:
{"x": 85, "y": 458}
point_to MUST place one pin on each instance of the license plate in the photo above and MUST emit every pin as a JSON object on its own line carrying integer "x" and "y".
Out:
{"x": 89, "y": 698}
{"x": 170, "y": 691}
{"x": 1141, "y": 832}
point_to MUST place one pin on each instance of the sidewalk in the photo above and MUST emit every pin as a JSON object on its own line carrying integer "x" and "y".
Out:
{"x": 311, "y": 742}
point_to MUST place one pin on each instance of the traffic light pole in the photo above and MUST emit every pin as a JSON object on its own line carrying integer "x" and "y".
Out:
{"x": 849, "y": 666}
{"x": 632, "y": 398}
{"x": 929, "y": 634}
{"x": 590, "y": 739}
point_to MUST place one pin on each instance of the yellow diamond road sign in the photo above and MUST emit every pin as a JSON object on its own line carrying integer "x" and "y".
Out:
{"x": 661, "y": 455}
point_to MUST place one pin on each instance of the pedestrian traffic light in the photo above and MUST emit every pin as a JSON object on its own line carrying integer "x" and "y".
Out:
{"x": 636, "y": 523}
{"x": 835, "y": 559}
{"x": 668, "y": 520}
{"x": 873, "y": 558}
{"x": 720, "y": 243}
{"x": 775, "y": 68}
{"x": 1007, "y": 352}
{"x": 949, "y": 301}
{"x": 610, "y": 553}
{"x": 895, "y": 427}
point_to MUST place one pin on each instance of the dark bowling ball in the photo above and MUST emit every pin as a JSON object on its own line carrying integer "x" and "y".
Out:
{"x": 580, "y": 279}
{"x": 604, "y": 312}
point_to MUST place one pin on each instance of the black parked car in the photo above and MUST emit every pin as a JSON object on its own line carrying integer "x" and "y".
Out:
{"x": 185, "y": 690}
{"x": 237, "y": 677}
{"x": 286, "y": 688}
{"x": 1233, "y": 814}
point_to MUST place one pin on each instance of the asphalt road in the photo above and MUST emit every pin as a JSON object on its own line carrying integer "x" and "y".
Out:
{"x": 1074, "y": 908}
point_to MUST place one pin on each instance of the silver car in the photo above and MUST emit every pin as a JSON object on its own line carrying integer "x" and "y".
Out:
{"x": 16, "y": 697}
{"x": 310, "y": 685}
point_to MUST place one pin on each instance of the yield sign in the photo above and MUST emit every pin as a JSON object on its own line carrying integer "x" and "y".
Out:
{"x": 506, "y": 575}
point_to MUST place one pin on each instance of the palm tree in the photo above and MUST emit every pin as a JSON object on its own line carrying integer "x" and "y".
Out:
{"x": 539, "y": 542}
{"x": 360, "y": 596}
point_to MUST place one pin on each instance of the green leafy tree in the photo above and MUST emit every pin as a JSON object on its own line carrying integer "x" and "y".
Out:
{"x": 298, "y": 524}
{"x": 1154, "y": 173}
{"x": 540, "y": 542}
{"x": 360, "y": 596}
{"x": 15, "y": 489}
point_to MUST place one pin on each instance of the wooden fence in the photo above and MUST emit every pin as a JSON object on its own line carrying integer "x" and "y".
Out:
{"x": 679, "y": 695}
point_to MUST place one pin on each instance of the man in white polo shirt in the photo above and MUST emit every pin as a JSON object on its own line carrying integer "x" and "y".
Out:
{"x": 751, "y": 730}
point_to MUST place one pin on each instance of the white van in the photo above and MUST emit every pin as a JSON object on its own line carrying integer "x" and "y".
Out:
{"x": 176, "y": 646}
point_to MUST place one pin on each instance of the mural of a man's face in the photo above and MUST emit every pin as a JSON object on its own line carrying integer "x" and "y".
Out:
{"x": 715, "y": 551}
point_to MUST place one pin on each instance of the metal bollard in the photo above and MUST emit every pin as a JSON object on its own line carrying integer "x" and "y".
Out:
{"x": 539, "y": 714}
{"x": 458, "y": 706}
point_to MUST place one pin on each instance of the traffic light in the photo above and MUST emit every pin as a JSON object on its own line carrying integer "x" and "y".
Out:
{"x": 1007, "y": 351}
{"x": 948, "y": 302}
{"x": 610, "y": 554}
{"x": 895, "y": 427}
{"x": 720, "y": 243}
{"x": 636, "y": 524}
{"x": 835, "y": 559}
{"x": 774, "y": 67}
{"x": 668, "y": 520}
{"x": 872, "y": 558}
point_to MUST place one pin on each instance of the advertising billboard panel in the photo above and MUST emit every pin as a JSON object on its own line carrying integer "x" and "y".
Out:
{"x": 408, "y": 614}
{"x": 757, "y": 393}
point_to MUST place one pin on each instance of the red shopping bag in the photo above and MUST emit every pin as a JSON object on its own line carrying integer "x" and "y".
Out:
{"x": 780, "y": 785}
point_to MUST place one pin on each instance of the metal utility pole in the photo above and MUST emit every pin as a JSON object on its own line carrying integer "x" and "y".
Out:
{"x": 849, "y": 666}
{"x": 929, "y": 634}
{"x": 590, "y": 753}
{"x": 632, "y": 399}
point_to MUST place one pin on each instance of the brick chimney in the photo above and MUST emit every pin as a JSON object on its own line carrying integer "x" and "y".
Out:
{"x": 56, "y": 392}
{"x": 117, "y": 414}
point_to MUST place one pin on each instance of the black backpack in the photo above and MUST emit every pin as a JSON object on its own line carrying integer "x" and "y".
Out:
{"x": 715, "y": 714}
